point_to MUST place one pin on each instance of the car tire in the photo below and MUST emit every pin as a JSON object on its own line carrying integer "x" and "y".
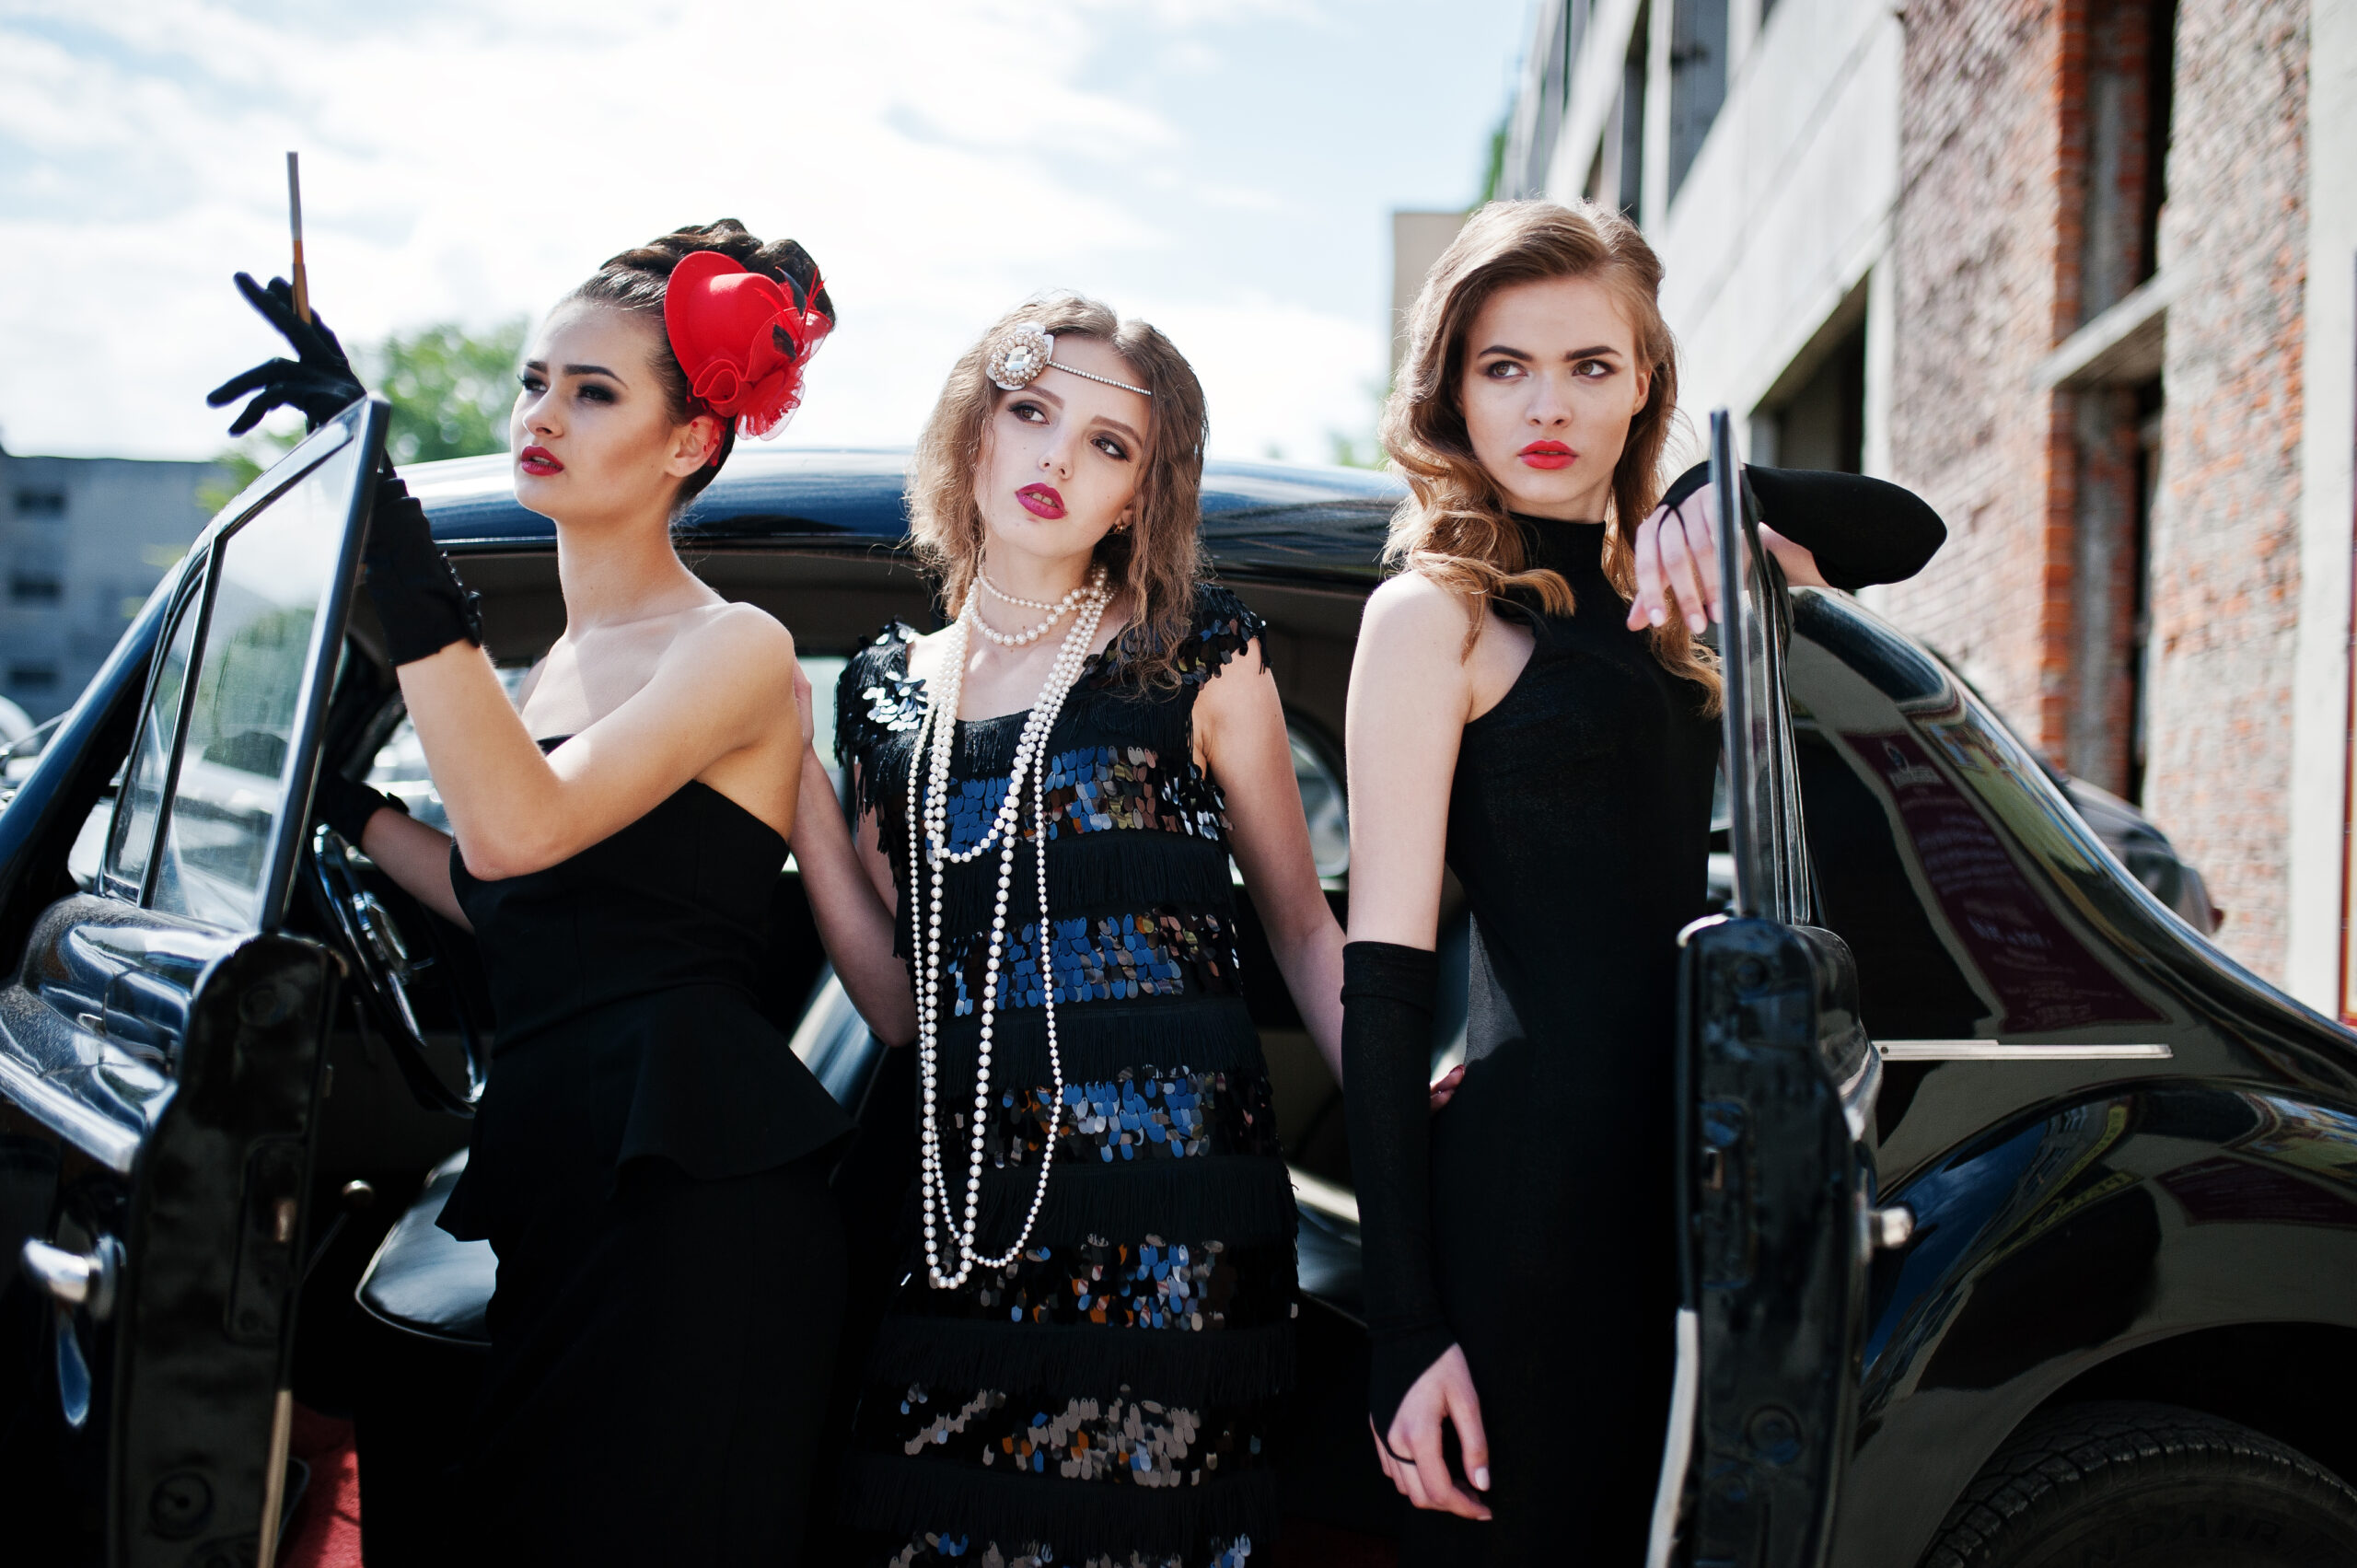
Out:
{"x": 2134, "y": 1485}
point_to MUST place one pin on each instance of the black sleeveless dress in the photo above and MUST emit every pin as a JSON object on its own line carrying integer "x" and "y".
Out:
{"x": 648, "y": 1164}
{"x": 1106, "y": 1396}
{"x": 1579, "y": 822}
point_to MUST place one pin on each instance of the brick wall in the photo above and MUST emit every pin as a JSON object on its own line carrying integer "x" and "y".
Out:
{"x": 2225, "y": 545}
{"x": 1977, "y": 248}
{"x": 2003, "y": 242}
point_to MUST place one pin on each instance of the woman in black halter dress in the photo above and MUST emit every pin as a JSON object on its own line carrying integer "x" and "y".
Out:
{"x": 648, "y": 1157}
{"x": 1528, "y": 706}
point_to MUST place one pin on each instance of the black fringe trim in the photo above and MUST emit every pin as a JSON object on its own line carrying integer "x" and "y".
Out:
{"x": 1080, "y": 1519}
{"x": 1096, "y": 1039}
{"x": 1172, "y": 1365}
{"x": 1108, "y": 871}
{"x": 1229, "y": 1198}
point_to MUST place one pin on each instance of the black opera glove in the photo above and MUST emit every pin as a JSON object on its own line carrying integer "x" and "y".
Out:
{"x": 319, "y": 380}
{"x": 1387, "y": 995}
{"x": 346, "y": 805}
{"x": 1861, "y": 530}
{"x": 418, "y": 596}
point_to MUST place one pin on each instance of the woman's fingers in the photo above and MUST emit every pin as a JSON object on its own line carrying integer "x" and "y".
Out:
{"x": 1464, "y": 1413}
{"x": 1684, "y": 582}
{"x": 1383, "y": 1458}
{"x": 1698, "y": 522}
{"x": 802, "y": 701}
{"x": 1649, "y": 607}
{"x": 1445, "y": 1089}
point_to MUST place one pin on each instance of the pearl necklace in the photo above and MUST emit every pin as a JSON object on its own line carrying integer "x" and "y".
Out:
{"x": 1094, "y": 585}
{"x": 928, "y": 820}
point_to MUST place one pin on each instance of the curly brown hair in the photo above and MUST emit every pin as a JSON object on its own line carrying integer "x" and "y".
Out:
{"x": 1159, "y": 560}
{"x": 1453, "y": 528}
{"x": 635, "y": 280}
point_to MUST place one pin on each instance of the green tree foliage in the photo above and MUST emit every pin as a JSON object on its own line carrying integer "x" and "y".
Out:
{"x": 450, "y": 392}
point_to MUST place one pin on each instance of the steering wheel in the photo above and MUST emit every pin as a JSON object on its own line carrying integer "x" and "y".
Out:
{"x": 373, "y": 943}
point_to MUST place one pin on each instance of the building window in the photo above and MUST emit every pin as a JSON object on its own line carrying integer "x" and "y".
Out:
{"x": 1698, "y": 80}
{"x": 34, "y": 587}
{"x": 1616, "y": 176}
{"x": 32, "y": 676}
{"x": 44, "y": 504}
{"x": 1822, "y": 423}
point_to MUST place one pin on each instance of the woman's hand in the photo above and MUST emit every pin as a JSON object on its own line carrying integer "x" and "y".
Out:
{"x": 1444, "y": 1087}
{"x": 319, "y": 380}
{"x": 1677, "y": 564}
{"x": 1415, "y": 1456}
{"x": 802, "y": 701}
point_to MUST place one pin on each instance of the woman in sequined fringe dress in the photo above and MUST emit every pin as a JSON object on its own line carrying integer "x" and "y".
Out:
{"x": 1529, "y": 707}
{"x": 1090, "y": 1378}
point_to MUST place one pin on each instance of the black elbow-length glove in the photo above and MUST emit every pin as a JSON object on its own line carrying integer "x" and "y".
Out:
{"x": 418, "y": 596}
{"x": 1388, "y": 993}
{"x": 1862, "y": 531}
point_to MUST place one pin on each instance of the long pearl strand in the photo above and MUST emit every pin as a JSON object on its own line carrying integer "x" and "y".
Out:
{"x": 928, "y": 819}
{"x": 1094, "y": 585}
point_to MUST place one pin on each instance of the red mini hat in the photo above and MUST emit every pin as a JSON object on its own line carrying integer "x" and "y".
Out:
{"x": 743, "y": 339}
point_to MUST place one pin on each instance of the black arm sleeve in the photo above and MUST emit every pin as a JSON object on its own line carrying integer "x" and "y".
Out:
{"x": 1861, "y": 530}
{"x": 418, "y": 596}
{"x": 1387, "y": 1059}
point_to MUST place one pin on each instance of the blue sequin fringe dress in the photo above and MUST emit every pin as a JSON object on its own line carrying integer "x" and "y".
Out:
{"x": 1106, "y": 1398}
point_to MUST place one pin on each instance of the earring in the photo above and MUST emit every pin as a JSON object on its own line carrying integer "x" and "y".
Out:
{"x": 1123, "y": 526}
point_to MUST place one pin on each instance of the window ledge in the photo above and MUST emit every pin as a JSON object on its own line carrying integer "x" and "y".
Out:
{"x": 2118, "y": 348}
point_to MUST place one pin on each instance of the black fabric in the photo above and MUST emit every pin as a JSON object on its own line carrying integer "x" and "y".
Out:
{"x": 1862, "y": 531}
{"x": 1388, "y": 995}
{"x": 319, "y": 381}
{"x": 346, "y": 804}
{"x": 648, "y": 1164}
{"x": 658, "y": 1370}
{"x": 418, "y": 596}
{"x": 1158, "y": 1291}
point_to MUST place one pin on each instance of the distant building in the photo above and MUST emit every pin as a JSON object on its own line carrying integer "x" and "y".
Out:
{"x": 2084, "y": 272}
{"x": 83, "y": 541}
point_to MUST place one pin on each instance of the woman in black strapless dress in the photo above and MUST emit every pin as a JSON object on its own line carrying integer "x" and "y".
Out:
{"x": 1528, "y": 707}
{"x": 648, "y": 1158}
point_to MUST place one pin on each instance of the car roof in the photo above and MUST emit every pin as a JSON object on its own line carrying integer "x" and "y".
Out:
{"x": 1291, "y": 521}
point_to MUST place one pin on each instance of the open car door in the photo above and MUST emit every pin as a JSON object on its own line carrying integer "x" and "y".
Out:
{"x": 160, "y": 1047}
{"x": 1776, "y": 1082}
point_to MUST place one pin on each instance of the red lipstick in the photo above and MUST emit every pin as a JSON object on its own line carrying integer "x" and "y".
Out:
{"x": 538, "y": 461}
{"x": 1548, "y": 455}
{"x": 1041, "y": 501}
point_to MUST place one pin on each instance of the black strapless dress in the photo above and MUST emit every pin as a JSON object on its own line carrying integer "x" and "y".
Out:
{"x": 648, "y": 1163}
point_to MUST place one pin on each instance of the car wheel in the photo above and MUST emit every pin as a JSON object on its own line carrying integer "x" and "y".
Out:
{"x": 2146, "y": 1486}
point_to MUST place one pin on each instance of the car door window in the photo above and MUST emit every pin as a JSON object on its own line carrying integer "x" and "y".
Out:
{"x": 149, "y": 775}
{"x": 270, "y": 578}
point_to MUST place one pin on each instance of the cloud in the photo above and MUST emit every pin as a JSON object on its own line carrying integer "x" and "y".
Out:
{"x": 472, "y": 162}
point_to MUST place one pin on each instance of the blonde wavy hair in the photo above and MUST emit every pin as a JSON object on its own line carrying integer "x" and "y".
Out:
{"x": 1454, "y": 528}
{"x": 1158, "y": 559}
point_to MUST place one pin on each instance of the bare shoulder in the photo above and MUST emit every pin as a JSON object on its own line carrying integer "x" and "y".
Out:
{"x": 1412, "y": 615}
{"x": 740, "y": 639}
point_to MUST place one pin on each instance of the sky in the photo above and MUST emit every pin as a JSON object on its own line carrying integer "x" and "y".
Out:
{"x": 1224, "y": 169}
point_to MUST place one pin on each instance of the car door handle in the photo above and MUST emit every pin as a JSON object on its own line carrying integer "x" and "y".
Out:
{"x": 85, "y": 1280}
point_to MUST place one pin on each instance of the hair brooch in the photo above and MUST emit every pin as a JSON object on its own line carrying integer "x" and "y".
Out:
{"x": 1025, "y": 352}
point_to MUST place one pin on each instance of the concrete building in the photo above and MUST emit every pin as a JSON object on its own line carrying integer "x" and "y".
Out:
{"x": 83, "y": 541}
{"x": 2082, "y": 273}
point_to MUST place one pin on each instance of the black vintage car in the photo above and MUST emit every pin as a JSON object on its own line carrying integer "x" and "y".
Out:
{"x": 2022, "y": 1222}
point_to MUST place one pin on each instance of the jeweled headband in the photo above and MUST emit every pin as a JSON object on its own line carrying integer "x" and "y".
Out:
{"x": 1025, "y": 354}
